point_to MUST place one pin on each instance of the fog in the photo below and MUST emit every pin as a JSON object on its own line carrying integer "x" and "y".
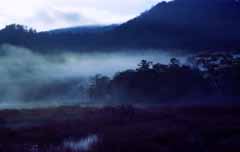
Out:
{"x": 27, "y": 76}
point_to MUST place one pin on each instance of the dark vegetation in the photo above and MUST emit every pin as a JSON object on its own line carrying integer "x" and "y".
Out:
{"x": 124, "y": 128}
{"x": 201, "y": 78}
{"x": 180, "y": 24}
{"x": 205, "y": 75}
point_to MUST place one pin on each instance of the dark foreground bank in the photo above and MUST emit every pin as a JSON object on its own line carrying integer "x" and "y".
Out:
{"x": 122, "y": 129}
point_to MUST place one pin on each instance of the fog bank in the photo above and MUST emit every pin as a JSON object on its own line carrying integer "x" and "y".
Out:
{"x": 27, "y": 75}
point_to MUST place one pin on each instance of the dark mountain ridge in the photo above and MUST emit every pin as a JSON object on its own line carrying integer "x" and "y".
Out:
{"x": 212, "y": 24}
{"x": 180, "y": 24}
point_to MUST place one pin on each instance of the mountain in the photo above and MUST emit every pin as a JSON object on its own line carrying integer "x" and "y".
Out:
{"x": 84, "y": 29}
{"x": 204, "y": 24}
{"x": 179, "y": 25}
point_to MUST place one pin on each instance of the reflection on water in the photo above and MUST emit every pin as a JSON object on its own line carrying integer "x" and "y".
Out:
{"x": 83, "y": 144}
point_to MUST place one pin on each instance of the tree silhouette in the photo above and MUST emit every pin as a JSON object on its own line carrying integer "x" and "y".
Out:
{"x": 144, "y": 65}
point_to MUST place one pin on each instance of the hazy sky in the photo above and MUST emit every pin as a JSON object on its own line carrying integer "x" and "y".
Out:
{"x": 50, "y": 14}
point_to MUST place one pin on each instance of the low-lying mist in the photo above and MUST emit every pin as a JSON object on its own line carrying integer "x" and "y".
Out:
{"x": 27, "y": 76}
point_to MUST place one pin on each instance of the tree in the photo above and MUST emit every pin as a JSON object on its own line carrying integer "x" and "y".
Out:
{"x": 218, "y": 68}
{"x": 174, "y": 62}
{"x": 144, "y": 65}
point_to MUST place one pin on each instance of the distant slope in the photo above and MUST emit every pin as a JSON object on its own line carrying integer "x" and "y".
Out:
{"x": 84, "y": 29}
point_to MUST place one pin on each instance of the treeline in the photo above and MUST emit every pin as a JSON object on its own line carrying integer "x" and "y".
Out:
{"x": 204, "y": 75}
{"x": 55, "y": 42}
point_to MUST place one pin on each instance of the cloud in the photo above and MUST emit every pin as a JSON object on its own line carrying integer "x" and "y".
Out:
{"x": 46, "y": 14}
{"x": 57, "y": 18}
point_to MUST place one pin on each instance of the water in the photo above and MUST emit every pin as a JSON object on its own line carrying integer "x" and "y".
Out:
{"x": 83, "y": 144}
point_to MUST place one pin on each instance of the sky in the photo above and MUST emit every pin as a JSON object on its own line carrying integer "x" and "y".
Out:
{"x": 51, "y": 14}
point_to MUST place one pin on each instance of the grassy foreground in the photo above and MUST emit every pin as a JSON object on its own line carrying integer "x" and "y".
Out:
{"x": 122, "y": 129}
